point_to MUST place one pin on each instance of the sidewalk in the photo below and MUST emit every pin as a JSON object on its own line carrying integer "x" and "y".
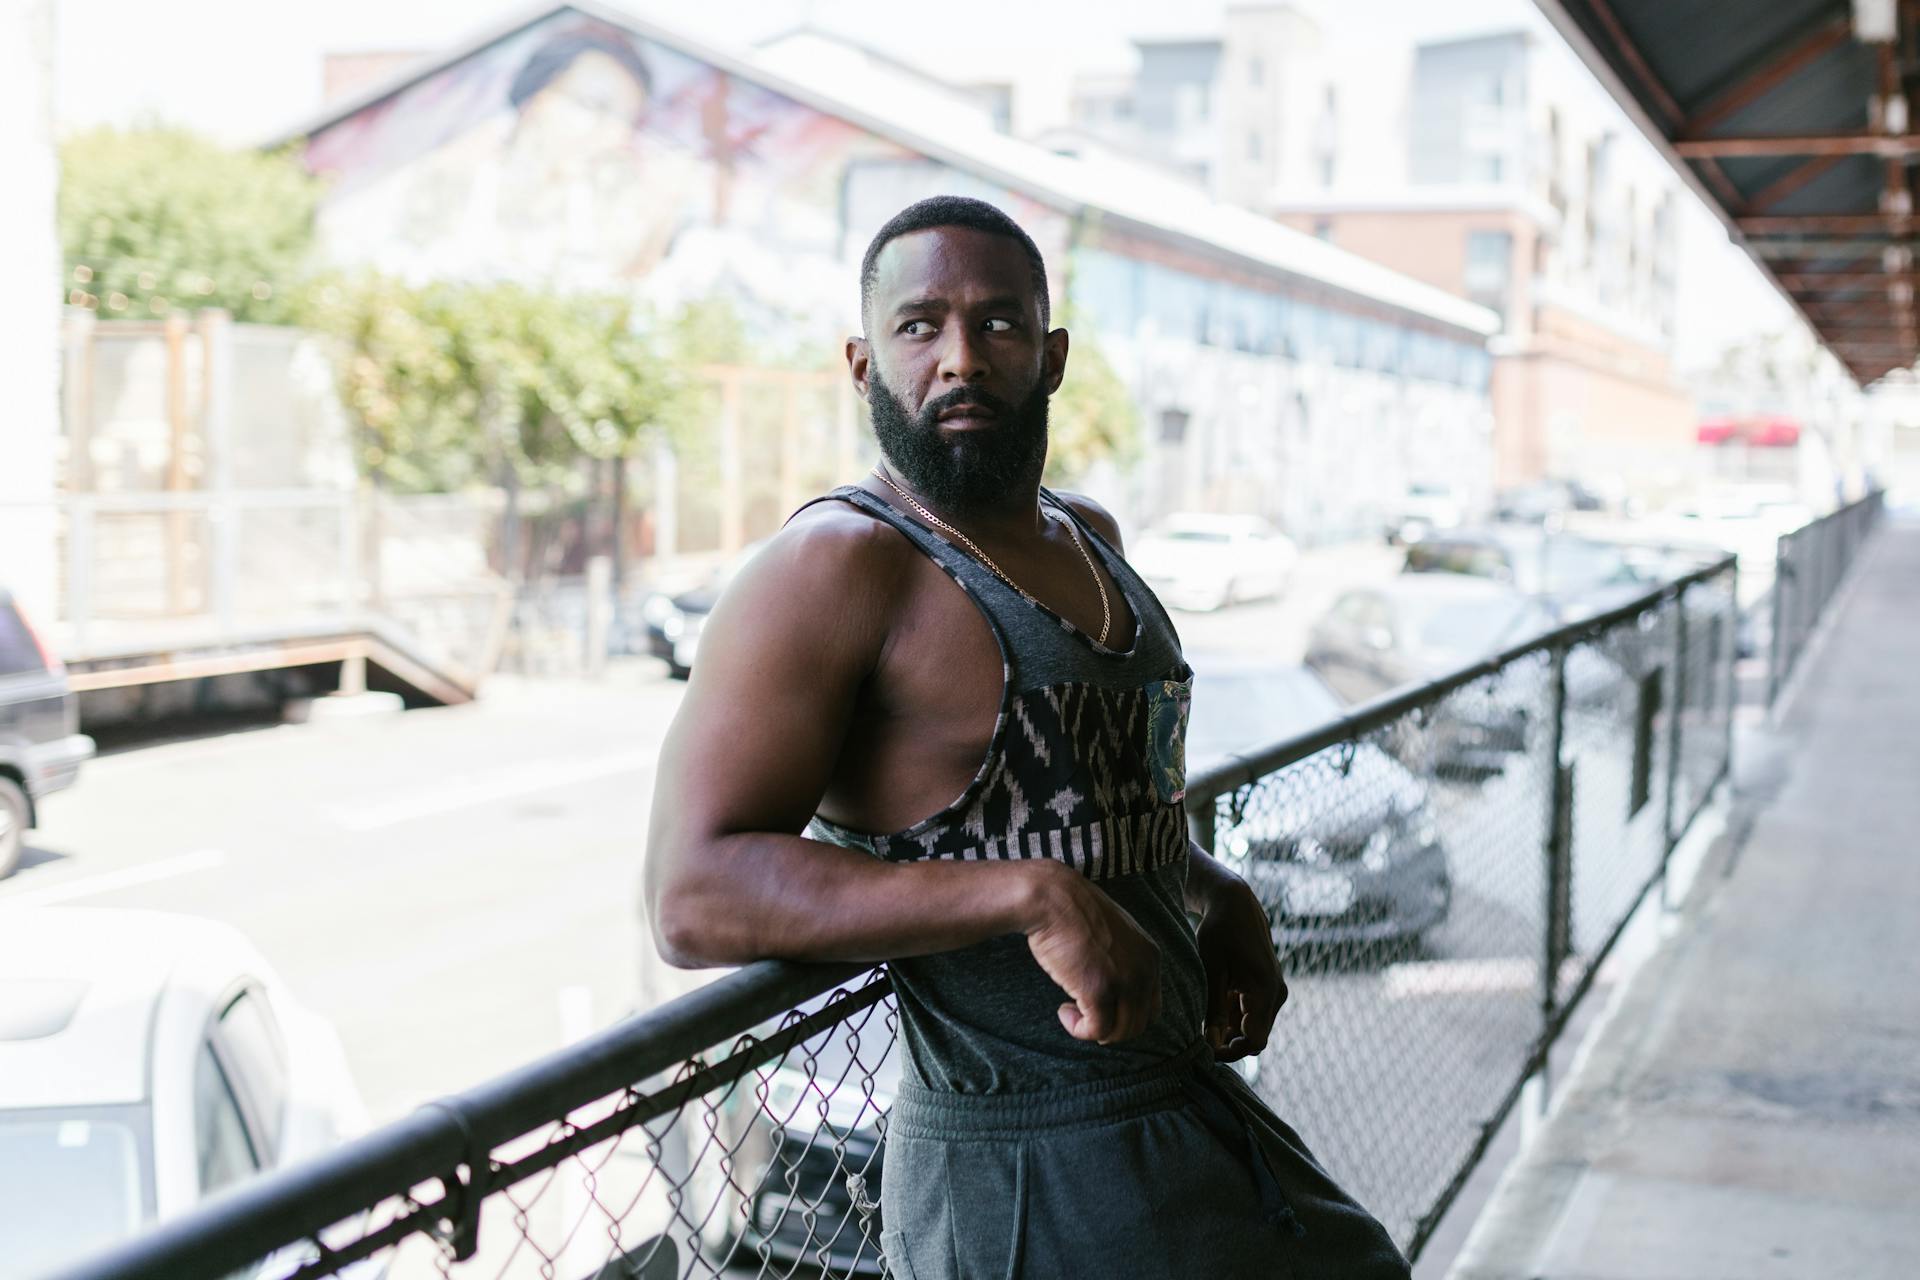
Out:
{"x": 1752, "y": 1110}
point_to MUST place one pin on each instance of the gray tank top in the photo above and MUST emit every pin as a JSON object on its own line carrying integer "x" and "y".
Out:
{"x": 1087, "y": 767}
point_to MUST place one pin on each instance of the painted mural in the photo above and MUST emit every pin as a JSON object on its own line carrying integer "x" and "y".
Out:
{"x": 577, "y": 154}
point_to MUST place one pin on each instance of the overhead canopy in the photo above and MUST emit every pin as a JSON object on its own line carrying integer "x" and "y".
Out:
{"x": 1791, "y": 119}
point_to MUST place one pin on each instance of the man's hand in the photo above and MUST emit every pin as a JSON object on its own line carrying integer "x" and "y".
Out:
{"x": 1092, "y": 948}
{"x": 1245, "y": 987}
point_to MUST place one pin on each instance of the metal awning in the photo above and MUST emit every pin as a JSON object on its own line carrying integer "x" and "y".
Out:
{"x": 1790, "y": 118}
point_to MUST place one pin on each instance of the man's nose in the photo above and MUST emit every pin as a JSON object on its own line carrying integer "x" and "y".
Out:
{"x": 963, "y": 358}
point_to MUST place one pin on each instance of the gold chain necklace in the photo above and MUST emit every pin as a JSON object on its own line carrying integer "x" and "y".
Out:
{"x": 1106, "y": 610}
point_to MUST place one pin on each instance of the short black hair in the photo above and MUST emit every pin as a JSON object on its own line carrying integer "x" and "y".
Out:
{"x": 545, "y": 64}
{"x": 953, "y": 211}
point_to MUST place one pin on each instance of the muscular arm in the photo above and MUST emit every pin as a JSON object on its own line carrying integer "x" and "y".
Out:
{"x": 728, "y": 877}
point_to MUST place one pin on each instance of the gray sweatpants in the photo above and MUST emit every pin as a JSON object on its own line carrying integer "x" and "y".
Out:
{"x": 1172, "y": 1173}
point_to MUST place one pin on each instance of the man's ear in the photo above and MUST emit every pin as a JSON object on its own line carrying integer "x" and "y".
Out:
{"x": 858, "y": 356}
{"x": 1053, "y": 359}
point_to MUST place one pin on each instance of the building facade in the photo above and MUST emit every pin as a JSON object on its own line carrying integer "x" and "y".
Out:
{"x": 588, "y": 150}
{"x": 1518, "y": 193}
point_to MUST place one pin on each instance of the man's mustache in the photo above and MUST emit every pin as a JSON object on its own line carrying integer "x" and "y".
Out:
{"x": 972, "y": 396}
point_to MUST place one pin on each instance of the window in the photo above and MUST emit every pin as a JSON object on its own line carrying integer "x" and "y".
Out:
{"x": 1256, "y": 72}
{"x": 220, "y": 1133}
{"x": 1173, "y": 426}
{"x": 18, "y": 652}
{"x": 251, "y": 1045}
{"x": 1254, "y": 147}
{"x": 1489, "y": 269}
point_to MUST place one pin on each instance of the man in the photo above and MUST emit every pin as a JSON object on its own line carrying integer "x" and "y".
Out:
{"x": 950, "y": 680}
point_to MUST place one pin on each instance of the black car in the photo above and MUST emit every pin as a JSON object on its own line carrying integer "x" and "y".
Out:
{"x": 674, "y": 623}
{"x": 1414, "y": 628}
{"x": 41, "y": 749}
{"x": 1570, "y": 576}
{"x": 1342, "y": 848}
{"x": 792, "y": 1135}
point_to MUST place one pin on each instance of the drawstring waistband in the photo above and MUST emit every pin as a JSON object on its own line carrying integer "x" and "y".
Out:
{"x": 1224, "y": 1113}
{"x": 1189, "y": 1078}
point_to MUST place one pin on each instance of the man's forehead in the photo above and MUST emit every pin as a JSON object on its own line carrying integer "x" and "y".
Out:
{"x": 942, "y": 260}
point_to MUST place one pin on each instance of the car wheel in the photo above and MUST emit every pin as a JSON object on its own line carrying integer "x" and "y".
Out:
{"x": 13, "y": 825}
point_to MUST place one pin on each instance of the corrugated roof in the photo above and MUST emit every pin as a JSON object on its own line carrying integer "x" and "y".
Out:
{"x": 1762, "y": 106}
{"x": 1129, "y": 193}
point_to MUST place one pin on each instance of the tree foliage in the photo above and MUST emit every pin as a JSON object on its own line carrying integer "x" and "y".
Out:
{"x": 154, "y": 219}
{"x": 456, "y": 384}
{"x": 1092, "y": 417}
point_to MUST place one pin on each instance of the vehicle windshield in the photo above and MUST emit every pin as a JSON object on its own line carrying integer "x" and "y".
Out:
{"x": 1243, "y": 711}
{"x": 1196, "y": 535}
{"x": 1574, "y": 564}
{"x": 1470, "y": 628}
{"x": 72, "y": 1180}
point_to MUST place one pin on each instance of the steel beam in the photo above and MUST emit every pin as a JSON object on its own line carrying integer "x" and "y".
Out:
{"x": 1767, "y": 73}
{"x": 1785, "y": 185}
{"x": 1799, "y": 144}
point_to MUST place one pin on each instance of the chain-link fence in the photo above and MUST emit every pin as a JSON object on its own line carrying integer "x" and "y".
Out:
{"x": 1811, "y": 562}
{"x": 1445, "y": 868}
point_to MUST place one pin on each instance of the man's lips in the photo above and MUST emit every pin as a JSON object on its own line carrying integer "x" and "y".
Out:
{"x": 967, "y": 413}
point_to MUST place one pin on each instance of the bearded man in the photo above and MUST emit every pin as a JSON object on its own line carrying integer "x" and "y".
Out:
{"x": 938, "y": 722}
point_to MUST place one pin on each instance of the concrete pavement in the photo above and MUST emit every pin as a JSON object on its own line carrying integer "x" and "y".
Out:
{"x": 1752, "y": 1108}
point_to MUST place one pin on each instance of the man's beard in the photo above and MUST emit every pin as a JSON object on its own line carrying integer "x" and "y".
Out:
{"x": 967, "y": 470}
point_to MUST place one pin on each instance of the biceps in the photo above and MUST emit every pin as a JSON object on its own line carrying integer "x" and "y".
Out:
{"x": 756, "y": 739}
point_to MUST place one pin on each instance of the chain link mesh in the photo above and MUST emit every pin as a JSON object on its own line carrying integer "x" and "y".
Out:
{"x": 1439, "y": 884}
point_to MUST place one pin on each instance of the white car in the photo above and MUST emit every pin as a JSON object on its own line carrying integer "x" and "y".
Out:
{"x": 1202, "y": 561}
{"x": 147, "y": 1060}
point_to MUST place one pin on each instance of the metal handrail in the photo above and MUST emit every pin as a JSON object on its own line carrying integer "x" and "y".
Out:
{"x": 261, "y": 1216}
{"x": 1241, "y": 770}
{"x": 451, "y": 1142}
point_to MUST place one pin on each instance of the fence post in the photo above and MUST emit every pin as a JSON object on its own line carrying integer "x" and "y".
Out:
{"x": 1200, "y": 823}
{"x": 1676, "y": 712}
{"x": 1557, "y": 848}
{"x": 1776, "y": 647}
{"x": 79, "y": 572}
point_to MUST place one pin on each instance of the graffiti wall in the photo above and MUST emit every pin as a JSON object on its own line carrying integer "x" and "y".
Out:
{"x": 578, "y": 154}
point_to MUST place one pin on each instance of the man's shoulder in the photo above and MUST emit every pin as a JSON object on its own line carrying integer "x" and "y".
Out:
{"x": 1093, "y": 513}
{"x": 833, "y": 545}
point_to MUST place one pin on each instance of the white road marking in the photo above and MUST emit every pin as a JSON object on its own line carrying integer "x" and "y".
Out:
{"x": 504, "y": 783}
{"x": 1461, "y": 977}
{"x": 125, "y": 878}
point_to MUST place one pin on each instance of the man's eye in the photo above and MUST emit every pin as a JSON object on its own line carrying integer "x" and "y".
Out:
{"x": 999, "y": 325}
{"x": 916, "y": 328}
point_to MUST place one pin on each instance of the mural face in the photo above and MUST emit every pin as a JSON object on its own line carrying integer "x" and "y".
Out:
{"x": 578, "y": 155}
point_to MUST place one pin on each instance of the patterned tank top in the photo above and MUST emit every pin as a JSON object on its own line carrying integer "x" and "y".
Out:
{"x": 1086, "y": 766}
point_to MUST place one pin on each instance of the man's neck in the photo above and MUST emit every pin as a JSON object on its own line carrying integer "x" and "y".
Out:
{"x": 1012, "y": 519}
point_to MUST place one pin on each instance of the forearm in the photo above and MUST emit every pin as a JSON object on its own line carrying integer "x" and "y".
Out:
{"x": 753, "y": 896}
{"x": 1206, "y": 880}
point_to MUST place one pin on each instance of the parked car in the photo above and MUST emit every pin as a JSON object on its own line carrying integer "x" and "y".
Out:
{"x": 147, "y": 1061}
{"x": 1418, "y": 627}
{"x": 1572, "y": 576}
{"x": 1544, "y": 501}
{"x": 794, "y": 1134}
{"x": 1353, "y": 859}
{"x": 1427, "y": 509}
{"x": 41, "y": 748}
{"x": 674, "y": 623}
{"x": 1202, "y": 561}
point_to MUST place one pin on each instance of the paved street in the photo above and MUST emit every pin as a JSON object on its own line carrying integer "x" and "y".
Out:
{"x": 442, "y": 883}
{"x": 1751, "y": 1109}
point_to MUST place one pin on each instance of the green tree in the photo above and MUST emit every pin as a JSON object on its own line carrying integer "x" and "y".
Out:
{"x": 153, "y": 219}
{"x": 1092, "y": 417}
